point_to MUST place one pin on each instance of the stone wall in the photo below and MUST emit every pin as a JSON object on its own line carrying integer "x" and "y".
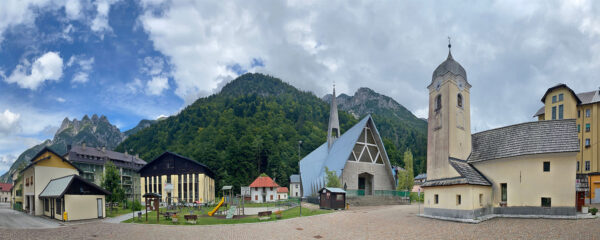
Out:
{"x": 376, "y": 200}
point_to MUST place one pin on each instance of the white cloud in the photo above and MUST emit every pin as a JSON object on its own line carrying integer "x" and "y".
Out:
{"x": 84, "y": 67}
{"x": 49, "y": 67}
{"x": 100, "y": 22}
{"x": 157, "y": 85}
{"x": 134, "y": 86}
{"x": 153, "y": 66}
{"x": 61, "y": 100}
{"x": 9, "y": 122}
{"x": 73, "y": 9}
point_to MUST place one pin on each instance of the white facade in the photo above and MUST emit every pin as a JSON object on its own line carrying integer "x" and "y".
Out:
{"x": 295, "y": 189}
{"x": 282, "y": 196}
{"x": 263, "y": 194}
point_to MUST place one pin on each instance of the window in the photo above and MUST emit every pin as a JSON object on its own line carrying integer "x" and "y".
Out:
{"x": 160, "y": 185}
{"x": 560, "y": 111}
{"x": 560, "y": 97}
{"x": 57, "y": 206}
{"x": 578, "y": 113}
{"x": 588, "y": 112}
{"x": 546, "y": 166}
{"x": 546, "y": 202}
{"x": 587, "y": 142}
{"x": 178, "y": 187}
{"x": 271, "y": 188}
{"x": 578, "y": 166}
{"x": 480, "y": 199}
{"x": 587, "y": 165}
{"x": 587, "y": 127}
{"x": 578, "y": 127}
{"x": 146, "y": 184}
{"x": 503, "y": 192}
{"x": 438, "y": 102}
{"x": 256, "y": 197}
{"x": 458, "y": 199}
{"x": 436, "y": 199}
{"x": 191, "y": 187}
{"x": 196, "y": 188}
{"x": 339, "y": 197}
{"x": 554, "y": 113}
{"x": 554, "y": 99}
{"x": 459, "y": 100}
{"x": 271, "y": 196}
{"x": 46, "y": 205}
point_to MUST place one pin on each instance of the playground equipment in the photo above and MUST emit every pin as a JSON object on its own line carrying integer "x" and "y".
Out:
{"x": 212, "y": 212}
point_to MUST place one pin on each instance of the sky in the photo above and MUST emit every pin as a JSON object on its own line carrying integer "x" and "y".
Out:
{"x": 133, "y": 60}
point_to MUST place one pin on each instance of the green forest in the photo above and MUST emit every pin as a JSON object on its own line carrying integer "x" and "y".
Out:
{"x": 252, "y": 126}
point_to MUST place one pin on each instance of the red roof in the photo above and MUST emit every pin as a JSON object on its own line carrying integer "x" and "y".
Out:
{"x": 264, "y": 182}
{"x": 282, "y": 190}
{"x": 5, "y": 187}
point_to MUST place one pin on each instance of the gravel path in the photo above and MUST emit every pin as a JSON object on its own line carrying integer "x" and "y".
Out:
{"x": 384, "y": 222}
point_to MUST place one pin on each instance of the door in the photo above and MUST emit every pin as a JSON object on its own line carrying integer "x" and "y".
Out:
{"x": 580, "y": 200}
{"x": 100, "y": 215}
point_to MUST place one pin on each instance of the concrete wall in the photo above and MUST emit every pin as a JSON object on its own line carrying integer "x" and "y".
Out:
{"x": 526, "y": 181}
{"x": 43, "y": 175}
{"x": 5, "y": 196}
{"x": 475, "y": 201}
{"x": 380, "y": 172}
{"x": 80, "y": 207}
{"x": 375, "y": 200}
{"x": 282, "y": 196}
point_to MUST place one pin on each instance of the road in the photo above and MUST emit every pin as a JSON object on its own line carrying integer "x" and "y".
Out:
{"x": 384, "y": 222}
{"x": 17, "y": 220}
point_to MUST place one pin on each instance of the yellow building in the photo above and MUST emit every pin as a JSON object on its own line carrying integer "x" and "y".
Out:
{"x": 178, "y": 179}
{"x": 561, "y": 102}
{"x": 499, "y": 171}
{"x": 72, "y": 198}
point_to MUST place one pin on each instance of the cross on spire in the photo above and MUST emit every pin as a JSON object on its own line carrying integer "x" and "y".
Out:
{"x": 449, "y": 45}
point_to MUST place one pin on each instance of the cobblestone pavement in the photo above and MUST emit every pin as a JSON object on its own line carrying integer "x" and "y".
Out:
{"x": 384, "y": 222}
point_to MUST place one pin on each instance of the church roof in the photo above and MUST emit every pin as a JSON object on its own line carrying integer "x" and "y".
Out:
{"x": 312, "y": 167}
{"x": 468, "y": 175}
{"x": 550, "y": 136}
{"x": 450, "y": 65}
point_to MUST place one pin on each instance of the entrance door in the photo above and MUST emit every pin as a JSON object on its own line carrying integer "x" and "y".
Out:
{"x": 100, "y": 215}
{"x": 579, "y": 200}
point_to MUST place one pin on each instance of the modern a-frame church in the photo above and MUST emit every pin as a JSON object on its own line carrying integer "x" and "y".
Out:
{"x": 358, "y": 157}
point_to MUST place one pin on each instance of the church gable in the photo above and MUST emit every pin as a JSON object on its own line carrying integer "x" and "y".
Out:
{"x": 366, "y": 149}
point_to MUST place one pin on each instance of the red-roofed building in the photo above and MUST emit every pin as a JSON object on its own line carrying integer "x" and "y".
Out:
{"x": 282, "y": 193}
{"x": 5, "y": 192}
{"x": 263, "y": 189}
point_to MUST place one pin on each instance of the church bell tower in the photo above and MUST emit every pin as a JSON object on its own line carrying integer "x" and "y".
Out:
{"x": 449, "y": 121}
{"x": 333, "y": 131}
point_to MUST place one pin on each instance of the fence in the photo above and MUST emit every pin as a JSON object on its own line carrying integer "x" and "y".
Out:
{"x": 391, "y": 193}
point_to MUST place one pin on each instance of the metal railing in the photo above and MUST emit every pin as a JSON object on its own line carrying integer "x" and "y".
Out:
{"x": 391, "y": 193}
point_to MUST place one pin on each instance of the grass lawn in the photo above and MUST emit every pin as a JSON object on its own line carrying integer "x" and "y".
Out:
{"x": 204, "y": 219}
{"x": 117, "y": 212}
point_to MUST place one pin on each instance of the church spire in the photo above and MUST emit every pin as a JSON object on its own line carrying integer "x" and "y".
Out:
{"x": 333, "y": 131}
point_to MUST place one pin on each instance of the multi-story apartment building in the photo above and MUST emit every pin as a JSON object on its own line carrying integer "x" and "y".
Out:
{"x": 561, "y": 102}
{"x": 92, "y": 160}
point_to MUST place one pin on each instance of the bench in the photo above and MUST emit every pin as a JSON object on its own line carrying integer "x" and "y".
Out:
{"x": 266, "y": 215}
{"x": 191, "y": 218}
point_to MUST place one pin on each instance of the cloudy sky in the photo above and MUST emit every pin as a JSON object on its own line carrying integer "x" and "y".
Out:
{"x": 132, "y": 60}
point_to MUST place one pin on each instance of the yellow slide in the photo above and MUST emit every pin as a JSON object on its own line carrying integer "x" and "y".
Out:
{"x": 216, "y": 208}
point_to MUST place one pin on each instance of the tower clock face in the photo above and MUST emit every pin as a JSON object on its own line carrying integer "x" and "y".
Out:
{"x": 461, "y": 84}
{"x": 438, "y": 84}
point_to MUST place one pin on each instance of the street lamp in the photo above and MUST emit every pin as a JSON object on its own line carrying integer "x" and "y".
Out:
{"x": 299, "y": 143}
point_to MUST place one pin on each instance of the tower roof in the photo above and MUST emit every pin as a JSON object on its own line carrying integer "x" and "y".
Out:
{"x": 449, "y": 66}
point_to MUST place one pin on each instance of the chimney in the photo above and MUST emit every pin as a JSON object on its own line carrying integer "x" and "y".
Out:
{"x": 83, "y": 146}
{"x": 137, "y": 155}
{"x": 104, "y": 149}
{"x": 126, "y": 153}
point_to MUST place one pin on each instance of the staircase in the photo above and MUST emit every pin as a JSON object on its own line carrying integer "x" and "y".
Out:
{"x": 230, "y": 212}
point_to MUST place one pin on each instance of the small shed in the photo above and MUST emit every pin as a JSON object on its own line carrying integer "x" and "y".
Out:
{"x": 332, "y": 198}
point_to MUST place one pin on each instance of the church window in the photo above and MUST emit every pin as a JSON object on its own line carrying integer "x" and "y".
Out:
{"x": 458, "y": 199}
{"x": 554, "y": 99}
{"x": 438, "y": 103}
{"x": 560, "y": 111}
{"x": 503, "y": 191}
{"x": 546, "y": 202}
{"x": 554, "y": 113}
{"x": 587, "y": 165}
{"x": 546, "y": 166}
{"x": 459, "y": 100}
{"x": 560, "y": 97}
{"x": 436, "y": 199}
{"x": 587, "y": 127}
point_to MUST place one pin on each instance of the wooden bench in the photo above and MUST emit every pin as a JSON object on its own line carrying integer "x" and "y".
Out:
{"x": 266, "y": 215}
{"x": 191, "y": 218}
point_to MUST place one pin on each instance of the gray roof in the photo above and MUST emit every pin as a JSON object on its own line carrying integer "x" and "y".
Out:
{"x": 98, "y": 152}
{"x": 56, "y": 186}
{"x": 294, "y": 178}
{"x": 334, "y": 190}
{"x": 589, "y": 97}
{"x": 468, "y": 175}
{"x": 449, "y": 66}
{"x": 421, "y": 176}
{"x": 312, "y": 166}
{"x": 550, "y": 136}
{"x": 540, "y": 111}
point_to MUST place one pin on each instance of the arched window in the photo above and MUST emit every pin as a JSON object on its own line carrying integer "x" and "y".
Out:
{"x": 459, "y": 100}
{"x": 438, "y": 103}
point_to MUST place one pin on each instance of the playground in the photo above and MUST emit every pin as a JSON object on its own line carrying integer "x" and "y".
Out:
{"x": 229, "y": 210}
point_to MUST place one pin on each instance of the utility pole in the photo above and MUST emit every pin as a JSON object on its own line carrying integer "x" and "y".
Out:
{"x": 300, "y": 201}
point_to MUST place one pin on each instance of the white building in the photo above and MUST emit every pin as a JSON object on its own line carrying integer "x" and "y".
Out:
{"x": 282, "y": 193}
{"x": 295, "y": 186}
{"x": 263, "y": 189}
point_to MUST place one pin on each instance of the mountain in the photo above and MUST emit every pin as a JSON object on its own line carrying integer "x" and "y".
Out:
{"x": 395, "y": 123}
{"x": 251, "y": 127}
{"x": 95, "y": 132}
{"x": 144, "y": 123}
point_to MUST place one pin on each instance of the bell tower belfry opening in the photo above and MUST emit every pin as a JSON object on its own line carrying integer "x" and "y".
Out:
{"x": 449, "y": 122}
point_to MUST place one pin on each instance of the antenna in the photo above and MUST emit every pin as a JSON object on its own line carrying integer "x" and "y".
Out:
{"x": 449, "y": 44}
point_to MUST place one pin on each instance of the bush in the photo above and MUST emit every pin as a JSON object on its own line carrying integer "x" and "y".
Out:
{"x": 414, "y": 197}
{"x": 137, "y": 206}
{"x": 593, "y": 211}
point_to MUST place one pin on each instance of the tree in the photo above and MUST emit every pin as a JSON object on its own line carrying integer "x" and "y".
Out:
{"x": 111, "y": 181}
{"x": 332, "y": 179}
{"x": 406, "y": 178}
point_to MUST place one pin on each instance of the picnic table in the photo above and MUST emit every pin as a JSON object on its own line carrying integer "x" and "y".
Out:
{"x": 264, "y": 215}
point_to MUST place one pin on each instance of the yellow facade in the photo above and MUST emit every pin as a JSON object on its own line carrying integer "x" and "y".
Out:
{"x": 205, "y": 185}
{"x": 588, "y": 159}
{"x": 80, "y": 207}
{"x": 472, "y": 197}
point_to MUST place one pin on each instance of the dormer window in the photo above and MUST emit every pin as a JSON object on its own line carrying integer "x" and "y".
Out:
{"x": 438, "y": 103}
{"x": 459, "y": 100}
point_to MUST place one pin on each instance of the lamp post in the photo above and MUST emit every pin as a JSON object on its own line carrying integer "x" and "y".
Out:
{"x": 299, "y": 143}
